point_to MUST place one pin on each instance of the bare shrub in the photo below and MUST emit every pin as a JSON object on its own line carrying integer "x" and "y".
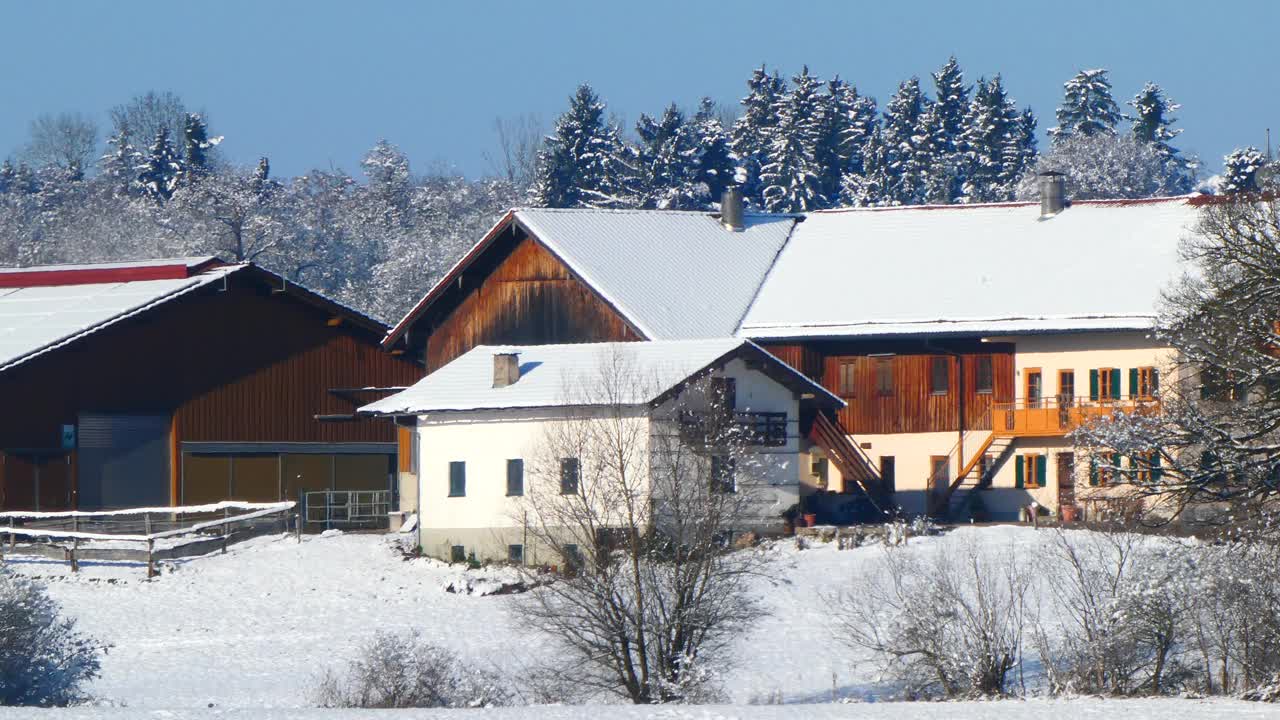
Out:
{"x": 951, "y": 626}
{"x": 44, "y": 660}
{"x": 408, "y": 672}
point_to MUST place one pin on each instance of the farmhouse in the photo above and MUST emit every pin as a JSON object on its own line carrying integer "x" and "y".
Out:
{"x": 181, "y": 382}
{"x": 966, "y": 341}
{"x": 491, "y": 427}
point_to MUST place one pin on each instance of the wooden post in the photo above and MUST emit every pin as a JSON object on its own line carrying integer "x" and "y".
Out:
{"x": 226, "y": 531}
{"x": 151, "y": 546}
{"x": 75, "y": 544}
{"x": 297, "y": 525}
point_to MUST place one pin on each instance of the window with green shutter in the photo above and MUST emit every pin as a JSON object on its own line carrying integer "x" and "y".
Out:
{"x": 1133, "y": 382}
{"x": 1019, "y": 472}
{"x": 1115, "y": 383}
{"x": 1093, "y": 470}
{"x": 1093, "y": 384}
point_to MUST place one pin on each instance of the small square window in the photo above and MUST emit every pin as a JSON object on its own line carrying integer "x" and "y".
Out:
{"x": 457, "y": 554}
{"x": 723, "y": 474}
{"x": 570, "y": 474}
{"x": 939, "y": 376}
{"x": 515, "y": 554}
{"x": 884, "y": 376}
{"x": 457, "y": 479}
{"x": 515, "y": 477}
{"x": 848, "y": 378}
{"x": 983, "y": 376}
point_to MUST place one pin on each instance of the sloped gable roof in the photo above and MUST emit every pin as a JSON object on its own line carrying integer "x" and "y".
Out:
{"x": 563, "y": 375}
{"x": 983, "y": 269}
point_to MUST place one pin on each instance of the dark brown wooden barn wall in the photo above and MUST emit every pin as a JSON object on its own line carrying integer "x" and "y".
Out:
{"x": 530, "y": 297}
{"x": 243, "y": 365}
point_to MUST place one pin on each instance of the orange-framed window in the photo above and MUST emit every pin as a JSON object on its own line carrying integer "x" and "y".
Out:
{"x": 1106, "y": 381}
{"x": 1066, "y": 385}
{"x": 1034, "y": 386}
{"x": 1148, "y": 382}
{"x": 1035, "y": 466}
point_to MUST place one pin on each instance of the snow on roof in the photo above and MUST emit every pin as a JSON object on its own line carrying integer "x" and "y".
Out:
{"x": 564, "y": 375}
{"x": 674, "y": 275}
{"x": 36, "y": 319}
{"x": 980, "y": 269}
{"x": 186, "y": 262}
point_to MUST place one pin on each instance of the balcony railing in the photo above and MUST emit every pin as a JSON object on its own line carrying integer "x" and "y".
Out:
{"x": 743, "y": 428}
{"x": 1051, "y": 416}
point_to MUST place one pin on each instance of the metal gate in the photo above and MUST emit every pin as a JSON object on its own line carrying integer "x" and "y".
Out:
{"x": 347, "y": 508}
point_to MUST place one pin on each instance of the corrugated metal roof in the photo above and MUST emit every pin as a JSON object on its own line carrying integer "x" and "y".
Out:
{"x": 674, "y": 275}
{"x": 566, "y": 375}
{"x": 34, "y": 320}
{"x": 972, "y": 269}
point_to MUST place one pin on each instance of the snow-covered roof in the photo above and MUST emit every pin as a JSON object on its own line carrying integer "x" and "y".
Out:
{"x": 565, "y": 375}
{"x": 40, "y": 317}
{"x": 671, "y": 274}
{"x": 981, "y": 269}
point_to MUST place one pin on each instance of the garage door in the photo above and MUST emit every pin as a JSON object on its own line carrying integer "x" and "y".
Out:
{"x": 124, "y": 461}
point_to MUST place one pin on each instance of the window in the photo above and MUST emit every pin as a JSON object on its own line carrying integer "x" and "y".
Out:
{"x": 984, "y": 376}
{"x": 724, "y": 393}
{"x": 1102, "y": 469}
{"x": 570, "y": 474}
{"x": 1104, "y": 384}
{"x": 939, "y": 376}
{"x": 457, "y": 479}
{"x": 1146, "y": 466}
{"x": 1035, "y": 387}
{"x": 515, "y": 554}
{"x": 1144, "y": 382}
{"x": 984, "y": 464}
{"x": 515, "y": 477}
{"x": 572, "y": 557}
{"x": 457, "y": 554}
{"x": 848, "y": 378}
{"x": 1033, "y": 470}
{"x": 884, "y": 376}
{"x": 723, "y": 474}
{"x": 1219, "y": 384}
{"x": 887, "y": 472}
{"x": 940, "y": 471}
{"x": 1066, "y": 387}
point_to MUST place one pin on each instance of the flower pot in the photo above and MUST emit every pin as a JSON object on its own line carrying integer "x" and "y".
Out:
{"x": 810, "y": 519}
{"x": 1069, "y": 513}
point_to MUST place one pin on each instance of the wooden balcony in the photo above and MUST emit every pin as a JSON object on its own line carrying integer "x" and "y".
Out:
{"x": 1056, "y": 416}
{"x": 720, "y": 428}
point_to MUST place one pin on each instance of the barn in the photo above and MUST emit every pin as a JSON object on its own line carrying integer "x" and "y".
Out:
{"x": 185, "y": 381}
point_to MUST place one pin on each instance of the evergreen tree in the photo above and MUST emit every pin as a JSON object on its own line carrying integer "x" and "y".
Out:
{"x": 936, "y": 156}
{"x": 1087, "y": 107}
{"x": 1154, "y": 118}
{"x": 994, "y": 144}
{"x": 1020, "y": 156}
{"x": 753, "y": 133}
{"x": 832, "y": 152}
{"x": 7, "y": 176}
{"x": 196, "y": 146}
{"x": 1240, "y": 171}
{"x": 860, "y": 142}
{"x": 579, "y": 165}
{"x": 791, "y": 175}
{"x": 262, "y": 185}
{"x": 120, "y": 165}
{"x": 25, "y": 181}
{"x": 947, "y": 130}
{"x": 715, "y": 159}
{"x": 162, "y": 168}
{"x": 906, "y": 161}
{"x": 668, "y": 157}
{"x": 867, "y": 185}
{"x": 389, "y": 185}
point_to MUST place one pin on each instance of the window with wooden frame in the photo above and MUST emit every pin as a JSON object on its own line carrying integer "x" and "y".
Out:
{"x": 1219, "y": 384}
{"x": 570, "y": 474}
{"x": 983, "y": 375}
{"x": 884, "y": 376}
{"x": 847, "y": 378}
{"x": 1104, "y": 384}
{"x": 1102, "y": 469}
{"x": 1034, "y": 387}
{"x": 515, "y": 477}
{"x": 1144, "y": 382}
{"x": 939, "y": 376}
{"x": 1146, "y": 467}
{"x": 1033, "y": 471}
{"x": 1066, "y": 387}
{"x": 724, "y": 393}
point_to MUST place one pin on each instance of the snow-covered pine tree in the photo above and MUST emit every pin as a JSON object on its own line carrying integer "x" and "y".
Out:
{"x": 832, "y": 152}
{"x": 196, "y": 144}
{"x": 162, "y": 168}
{"x": 667, "y": 161}
{"x": 865, "y": 184}
{"x": 753, "y": 132}
{"x": 791, "y": 176}
{"x": 948, "y": 124}
{"x": 1087, "y": 107}
{"x": 1153, "y": 119}
{"x": 261, "y": 183}
{"x": 942, "y": 175}
{"x": 121, "y": 165}
{"x": 25, "y": 181}
{"x": 861, "y": 140}
{"x": 1021, "y": 153}
{"x": 1240, "y": 170}
{"x": 579, "y": 163}
{"x": 7, "y": 176}
{"x": 715, "y": 161}
{"x": 992, "y": 138}
{"x": 906, "y": 150}
{"x": 389, "y": 184}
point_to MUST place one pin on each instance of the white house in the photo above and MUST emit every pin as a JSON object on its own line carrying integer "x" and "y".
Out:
{"x": 487, "y": 421}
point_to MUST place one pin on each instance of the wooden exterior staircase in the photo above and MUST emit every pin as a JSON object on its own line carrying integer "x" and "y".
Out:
{"x": 957, "y": 500}
{"x": 850, "y": 460}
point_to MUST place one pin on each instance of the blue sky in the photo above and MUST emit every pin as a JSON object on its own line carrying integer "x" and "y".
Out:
{"x": 314, "y": 84}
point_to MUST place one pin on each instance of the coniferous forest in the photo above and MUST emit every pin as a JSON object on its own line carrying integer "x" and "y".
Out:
{"x": 158, "y": 184}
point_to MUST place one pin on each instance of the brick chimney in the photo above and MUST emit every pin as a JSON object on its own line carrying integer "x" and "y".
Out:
{"x": 506, "y": 369}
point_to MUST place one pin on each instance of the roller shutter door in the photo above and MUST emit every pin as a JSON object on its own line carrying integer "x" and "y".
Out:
{"x": 124, "y": 461}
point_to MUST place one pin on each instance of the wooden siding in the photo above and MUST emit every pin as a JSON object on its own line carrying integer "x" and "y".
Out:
{"x": 530, "y": 297}
{"x": 911, "y": 406}
{"x": 801, "y": 357}
{"x": 243, "y": 365}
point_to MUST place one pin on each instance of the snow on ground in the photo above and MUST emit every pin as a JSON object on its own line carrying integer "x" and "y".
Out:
{"x": 253, "y": 628}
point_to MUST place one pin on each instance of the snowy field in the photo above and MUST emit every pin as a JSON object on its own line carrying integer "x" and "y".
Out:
{"x": 230, "y": 635}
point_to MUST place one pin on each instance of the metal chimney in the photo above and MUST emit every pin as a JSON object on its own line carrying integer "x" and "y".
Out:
{"x": 731, "y": 209}
{"x": 506, "y": 369}
{"x": 1053, "y": 192}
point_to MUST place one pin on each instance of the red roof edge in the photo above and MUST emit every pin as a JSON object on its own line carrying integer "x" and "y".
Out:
{"x": 89, "y": 275}
{"x": 402, "y": 326}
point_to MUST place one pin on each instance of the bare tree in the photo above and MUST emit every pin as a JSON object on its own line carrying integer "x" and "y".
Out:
{"x": 949, "y": 627}
{"x": 141, "y": 119}
{"x": 519, "y": 139}
{"x": 239, "y": 212}
{"x": 66, "y": 140}
{"x": 641, "y": 514}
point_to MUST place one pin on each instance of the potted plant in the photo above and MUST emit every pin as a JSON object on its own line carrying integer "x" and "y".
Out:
{"x": 789, "y": 518}
{"x": 810, "y": 519}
